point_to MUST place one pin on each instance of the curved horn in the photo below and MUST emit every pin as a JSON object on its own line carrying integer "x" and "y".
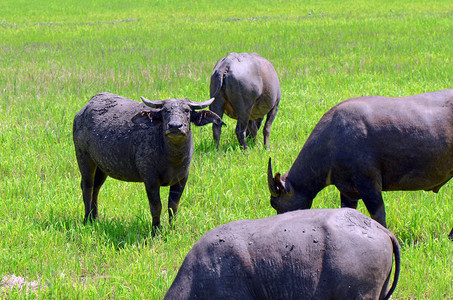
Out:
{"x": 153, "y": 103}
{"x": 271, "y": 182}
{"x": 200, "y": 105}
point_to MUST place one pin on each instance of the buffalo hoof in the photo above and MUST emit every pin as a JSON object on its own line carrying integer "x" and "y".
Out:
{"x": 156, "y": 230}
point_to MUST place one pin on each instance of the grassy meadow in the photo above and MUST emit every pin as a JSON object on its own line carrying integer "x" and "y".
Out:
{"x": 56, "y": 54}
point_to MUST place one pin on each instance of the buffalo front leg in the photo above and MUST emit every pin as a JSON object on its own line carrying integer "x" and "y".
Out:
{"x": 155, "y": 205}
{"x": 174, "y": 197}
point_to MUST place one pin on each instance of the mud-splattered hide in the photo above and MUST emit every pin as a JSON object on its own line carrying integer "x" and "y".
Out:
{"x": 306, "y": 254}
{"x": 128, "y": 140}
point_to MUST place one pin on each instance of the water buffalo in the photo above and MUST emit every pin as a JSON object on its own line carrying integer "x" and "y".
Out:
{"x": 246, "y": 87}
{"x": 305, "y": 254}
{"x": 371, "y": 144}
{"x": 125, "y": 139}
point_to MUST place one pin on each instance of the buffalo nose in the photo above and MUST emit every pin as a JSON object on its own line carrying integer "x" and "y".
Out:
{"x": 174, "y": 126}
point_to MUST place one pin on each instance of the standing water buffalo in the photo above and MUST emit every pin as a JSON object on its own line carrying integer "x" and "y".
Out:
{"x": 311, "y": 254}
{"x": 367, "y": 145}
{"x": 246, "y": 87}
{"x": 125, "y": 139}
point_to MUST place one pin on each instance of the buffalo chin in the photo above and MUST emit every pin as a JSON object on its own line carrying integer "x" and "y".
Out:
{"x": 175, "y": 134}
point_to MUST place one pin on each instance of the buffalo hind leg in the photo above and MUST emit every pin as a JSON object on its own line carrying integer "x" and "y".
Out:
{"x": 252, "y": 128}
{"x": 241, "y": 128}
{"x": 268, "y": 124}
{"x": 217, "y": 107}
{"x": 99, "y": 179}
{"x": 371, "y": 195}
{"x": 173, "y": 199}
{"x": 87, "y": 169}
{"x": 349, "y": 201}
{"x": 242, "y": 113}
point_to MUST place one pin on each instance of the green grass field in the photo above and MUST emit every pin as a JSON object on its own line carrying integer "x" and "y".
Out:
{"x": 56, "y": 54}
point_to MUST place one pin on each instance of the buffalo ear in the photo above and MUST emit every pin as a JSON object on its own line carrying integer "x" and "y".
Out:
{"x": 282, "y": 184}
{"x": 152, "y": 115}
{"x": 279, "y": 183}
{"x": 203, "y": 117}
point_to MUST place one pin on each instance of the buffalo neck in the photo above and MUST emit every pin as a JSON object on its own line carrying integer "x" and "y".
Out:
{"x": 179, "y": 150}
{"x": 310, "y": 172}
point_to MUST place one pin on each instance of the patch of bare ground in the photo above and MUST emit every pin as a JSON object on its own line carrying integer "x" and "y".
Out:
{"x": 11, "y": 282}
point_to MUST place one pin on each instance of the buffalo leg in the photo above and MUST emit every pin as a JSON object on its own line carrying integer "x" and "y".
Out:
{"x": 258, "y": 123}
{"x": 347, "y": 201}
{"x": 99, "y": 179}
{"x": 242, "y": 123}
{"x": 371, "y": 195}
{"x": 450, "y": 236}
{"x": 268, "y": 124}
{"x": 155, "y": 205}
{"x": 241, "y": 127}
{"x": 216, "y": 132}
{"x": 253, "y": 127}
{"x": 87, "y": 169}
{"x": 217, "y": 107}
{"x": 174, "y": 197}
{"x": 243, "y": 114}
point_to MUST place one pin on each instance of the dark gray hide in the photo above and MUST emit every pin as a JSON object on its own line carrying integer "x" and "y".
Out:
{"x": 127, "y": 140}
{"x": 306, "y": 254}
{"x": 246, "y": 87}
{"x": 367, "y": 145}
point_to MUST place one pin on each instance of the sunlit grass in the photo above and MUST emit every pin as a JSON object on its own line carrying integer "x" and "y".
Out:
{"x": 55, "y": 56}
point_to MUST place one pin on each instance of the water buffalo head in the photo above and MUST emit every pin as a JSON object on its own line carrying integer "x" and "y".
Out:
{"x": 284, "y": 197}
{"x": 176, "y": 115}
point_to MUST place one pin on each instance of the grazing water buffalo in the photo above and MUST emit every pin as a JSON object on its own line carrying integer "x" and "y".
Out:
{"x": 367, "y": 145}
{"x": 246, "y": 87}
{"x": 305, "y": 254}
{"x": 125, "y": 139}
